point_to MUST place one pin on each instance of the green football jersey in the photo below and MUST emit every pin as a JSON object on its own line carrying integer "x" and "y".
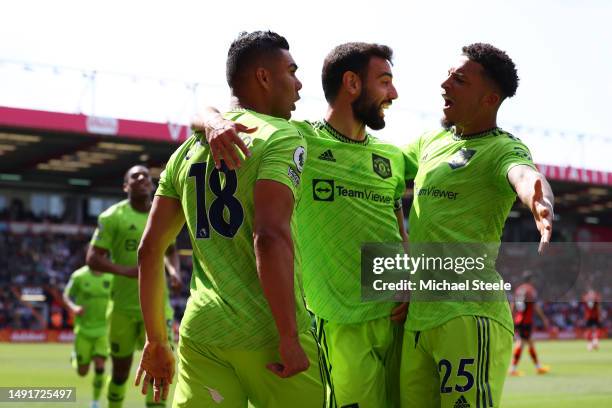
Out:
{"x": 462, "y": 195}
{"x": 119, "y": 231}
{"x": 227, "y": 307}
{"x": 351, "y": 192}
{"x": 92, "y": 292}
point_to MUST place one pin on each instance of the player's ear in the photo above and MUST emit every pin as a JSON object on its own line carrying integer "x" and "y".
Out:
{"x": 492, "y": 99}
{"x": 263, "y": 77}
{"x": 125, "y": 187}
{"x": 351, "y": 82}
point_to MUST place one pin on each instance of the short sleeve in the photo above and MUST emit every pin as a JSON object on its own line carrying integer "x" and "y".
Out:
{"x": 513, "y": 153}
{"x": 283, "y": 159}
{"x": 105, "y": 232}
{"x": 166, "y": 186}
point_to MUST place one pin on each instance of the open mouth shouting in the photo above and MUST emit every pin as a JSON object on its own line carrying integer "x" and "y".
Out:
{"x": 448, "y": 102}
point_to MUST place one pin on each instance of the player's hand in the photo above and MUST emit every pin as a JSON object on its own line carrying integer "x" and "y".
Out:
{"x": 222, "y": 137}
{"x": 157, "y": 364}
{"x": 399, "y": 313}
{"x": 293, "y": 358}
{"x": 542, "y": 211}
{"x": 78, "y": 310}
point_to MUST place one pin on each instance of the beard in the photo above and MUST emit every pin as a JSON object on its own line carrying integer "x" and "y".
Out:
{"x": 446, "y": 123}
{"x": 367, "y": 111}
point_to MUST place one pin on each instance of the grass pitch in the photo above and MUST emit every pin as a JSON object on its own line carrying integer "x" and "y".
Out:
{"x": 578, "y": 378}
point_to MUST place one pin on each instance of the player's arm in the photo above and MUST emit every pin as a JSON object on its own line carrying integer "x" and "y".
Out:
{"x": 533, "y": 190}
{"x": 98, "y": 253}
{"x": 98, "y": 259}
{"x": 275, "y": 256}
{"x": 173, "y": 267}
{"x": 222, "y": 137}
{"x": 157, "y": 362}
{"x": 68, "y": 291}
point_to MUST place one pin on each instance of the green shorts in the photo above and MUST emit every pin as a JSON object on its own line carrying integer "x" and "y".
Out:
{"x": 459, "y": 364}
{"x": 212, "y": 377}
{"x": 126, "y": 333}
{"x": 86, "y": 347}
{"x": 364, "y": 361}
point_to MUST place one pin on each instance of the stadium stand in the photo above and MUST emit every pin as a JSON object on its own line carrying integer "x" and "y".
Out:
{"x": 59, "y": 171}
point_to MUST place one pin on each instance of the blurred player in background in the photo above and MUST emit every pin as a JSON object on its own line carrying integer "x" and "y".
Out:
{"x": 467, "y": 177}
{"x": 362, "y": 340}
{"x": 114, "y": 248}
{"x": 591, "y": 302}
{"x": 245, "y": 335}
{"x": 87, "y": 294}
{"x": 524, "y": 306}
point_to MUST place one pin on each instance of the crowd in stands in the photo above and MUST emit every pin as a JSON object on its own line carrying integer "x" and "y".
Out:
{"x": 35, "y": 266}
{"x": 34, "y": 269}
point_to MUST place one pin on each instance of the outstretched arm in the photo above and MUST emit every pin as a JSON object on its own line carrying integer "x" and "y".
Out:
{"x": 534, "y": 191}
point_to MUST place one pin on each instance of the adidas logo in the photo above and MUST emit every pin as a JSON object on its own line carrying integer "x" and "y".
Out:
{"x": 327, "y": 155}
{"x": 462, "y": 403}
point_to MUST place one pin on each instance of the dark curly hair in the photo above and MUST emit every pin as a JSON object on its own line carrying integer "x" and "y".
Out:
{"x": 352, "y": 56}
{"x": 249, "y": 47}
{"x": 498, "y": 66}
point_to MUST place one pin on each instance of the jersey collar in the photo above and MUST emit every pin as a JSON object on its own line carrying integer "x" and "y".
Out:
{"x": 489, "y": 132}
{"x": 323, "y": 124}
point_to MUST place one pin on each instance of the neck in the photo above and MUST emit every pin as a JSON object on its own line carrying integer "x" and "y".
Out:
{"x": 476, "y": 126}
{"x": 343, "y": 120}
{"x": 250, "y": 102}
{"x": 141, "y": 204}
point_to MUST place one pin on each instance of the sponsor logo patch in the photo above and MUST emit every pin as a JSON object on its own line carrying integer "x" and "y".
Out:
{"x": 323, "y": 190}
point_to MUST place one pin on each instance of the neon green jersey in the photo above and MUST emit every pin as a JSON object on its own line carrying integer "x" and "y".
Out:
{"x": 351, "y": 191}
{"x": 92, "y": 292}
{"x": 227, "y": 307}
{"x": 461, "y": 195}
{"x": 119, "y": 231}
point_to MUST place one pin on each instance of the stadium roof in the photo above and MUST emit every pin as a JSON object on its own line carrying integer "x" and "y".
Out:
{"x": 41, "y": 149}
{"x": 61, "y": 151}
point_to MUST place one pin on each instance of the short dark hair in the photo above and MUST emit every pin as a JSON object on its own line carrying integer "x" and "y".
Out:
{"x": 352, "y": 56}
{"x": 127, "y": 172}
{"x": 248, "y": 47}
{"x": 498, "y": 66}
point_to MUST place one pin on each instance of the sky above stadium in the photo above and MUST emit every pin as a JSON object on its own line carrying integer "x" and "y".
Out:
{"x": 148, "y": 56}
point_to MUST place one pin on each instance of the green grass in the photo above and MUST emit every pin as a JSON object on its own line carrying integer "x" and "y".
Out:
{"x": 30, "y": 365}
{"x": 578, "y": 379}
